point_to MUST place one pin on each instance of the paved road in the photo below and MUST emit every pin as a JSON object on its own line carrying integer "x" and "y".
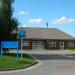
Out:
{"x": 54, "y": 63}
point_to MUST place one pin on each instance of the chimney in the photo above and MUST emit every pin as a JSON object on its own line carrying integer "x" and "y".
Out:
{"x": 47, "y": 24}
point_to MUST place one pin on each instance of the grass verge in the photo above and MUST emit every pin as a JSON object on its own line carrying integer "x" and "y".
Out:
{"x": 8, "y": 62}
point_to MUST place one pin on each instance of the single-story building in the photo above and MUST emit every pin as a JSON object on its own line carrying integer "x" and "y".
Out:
{"x": 46, "y": 38}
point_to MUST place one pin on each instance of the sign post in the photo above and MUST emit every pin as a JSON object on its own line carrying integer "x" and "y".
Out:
{"x": 10, "y": 44}
{"x": 21, "y": 49}
{"x": 22, "y": 34}
{"x": 1, "y": 51}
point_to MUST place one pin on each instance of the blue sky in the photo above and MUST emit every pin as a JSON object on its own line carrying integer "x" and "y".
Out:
{"x": 36, "y": 13}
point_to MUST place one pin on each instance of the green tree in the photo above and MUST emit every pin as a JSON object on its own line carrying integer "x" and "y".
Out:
{"x": 7, "y": 22}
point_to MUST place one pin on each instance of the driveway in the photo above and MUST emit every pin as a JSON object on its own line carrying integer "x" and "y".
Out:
{"x": 54, "y": 63}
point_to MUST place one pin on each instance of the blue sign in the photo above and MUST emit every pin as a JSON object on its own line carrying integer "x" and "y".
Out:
{"x": 10, "y": 44}
{"x": 22, "y": 33}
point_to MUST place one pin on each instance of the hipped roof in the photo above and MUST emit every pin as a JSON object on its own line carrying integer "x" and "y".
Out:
{"x": 46, "y": 33}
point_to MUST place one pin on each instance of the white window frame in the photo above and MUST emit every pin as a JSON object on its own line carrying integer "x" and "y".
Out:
{"x": 52, "y": 44}
{"x": 70, "y": 44}
{"x": 37, "y": 44}
{"x": 25, "y": 43}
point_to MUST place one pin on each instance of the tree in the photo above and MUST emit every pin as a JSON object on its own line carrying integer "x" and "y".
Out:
{"x": 7, "y": 22}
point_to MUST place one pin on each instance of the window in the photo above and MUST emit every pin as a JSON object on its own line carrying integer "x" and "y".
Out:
{"x": 52, "y": 43}
{"x": 38, "y": 44}
{"x": 70, "y": 44}
{"x": 25, "y": 43}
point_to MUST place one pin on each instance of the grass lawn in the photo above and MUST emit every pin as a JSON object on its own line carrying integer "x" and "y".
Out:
{"x": 8, "y": 61}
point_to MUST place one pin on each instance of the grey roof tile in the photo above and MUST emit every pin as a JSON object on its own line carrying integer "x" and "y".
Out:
{"x": 46, "y": 33}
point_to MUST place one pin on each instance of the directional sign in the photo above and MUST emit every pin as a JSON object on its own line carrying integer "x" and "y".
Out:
{"x": 22, "y": 33}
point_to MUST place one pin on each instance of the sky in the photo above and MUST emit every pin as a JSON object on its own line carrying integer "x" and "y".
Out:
{"x": 36, "y": 13}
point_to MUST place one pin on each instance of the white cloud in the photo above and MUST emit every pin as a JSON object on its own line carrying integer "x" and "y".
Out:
{"x": 22, "y": 26}
{"x": 35, "y": 21}
{"x": 63, "y": 20}
{"x": 23, "y": 13}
